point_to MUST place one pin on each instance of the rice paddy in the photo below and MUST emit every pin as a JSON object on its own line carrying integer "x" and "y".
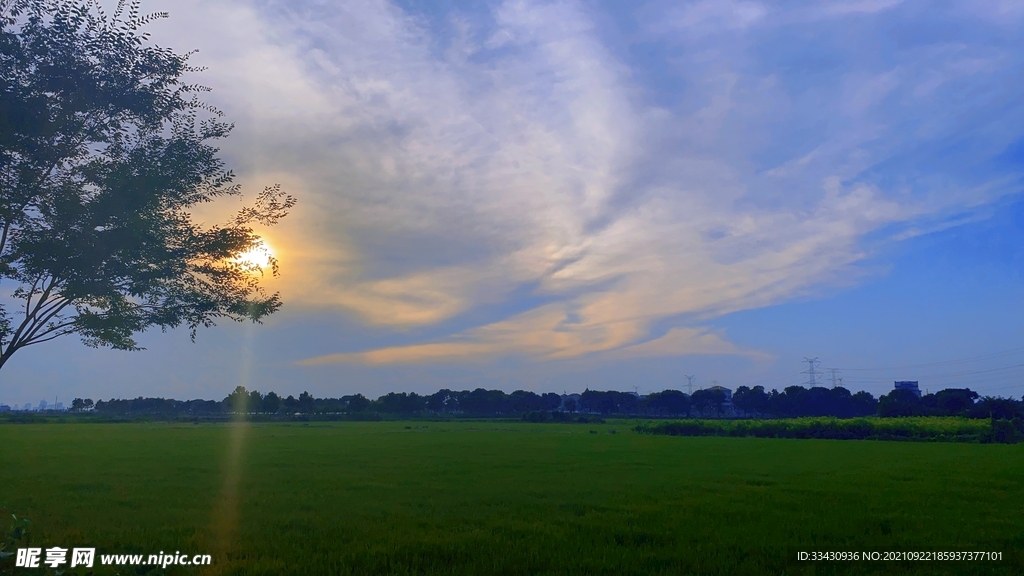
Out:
{"x": 491, "y": 497}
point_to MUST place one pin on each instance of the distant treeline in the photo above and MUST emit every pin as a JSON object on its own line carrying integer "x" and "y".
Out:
{"x": 793, "y": 401}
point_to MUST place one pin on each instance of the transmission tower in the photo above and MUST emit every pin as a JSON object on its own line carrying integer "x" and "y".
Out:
{"x": 834, "y": 379}
{"x": 812, "y": 374}
{"x": 689, "y": 385}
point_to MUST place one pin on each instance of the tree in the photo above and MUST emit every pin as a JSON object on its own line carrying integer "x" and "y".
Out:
{"x": 401, "y": 403}
{"x": 255, "y": 402}
{"x": 954, "y": 401}
{"x": 570, "y": 404}
{"x": 356, "y": 402}
{"x": 80, "y": 405}
{"x": 305, "y": 402}
{"x": 442, "y": 401}
{"x": 271, "y": 402}
{"x": 290, "y": 404}
{"x": 669, "y": 403}
{"x": 899, "y": 402}
{"x": 525, "y": 401}
{"x": 551, "y": 401}
{"x": 745, "y": 399}
{"x": 709, "y": 400}
{"x": 238, "y": 400}
{"x": 104, "y": 151}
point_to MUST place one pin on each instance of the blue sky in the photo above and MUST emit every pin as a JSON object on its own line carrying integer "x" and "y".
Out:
{"x": 554, "y": 195}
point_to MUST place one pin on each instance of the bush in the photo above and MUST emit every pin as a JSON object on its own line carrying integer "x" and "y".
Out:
{"x": 927, "y": 428}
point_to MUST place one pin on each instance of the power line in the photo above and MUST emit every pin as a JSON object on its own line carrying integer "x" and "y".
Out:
{"x": 948, "y": 375}
{"x": 1000, "y": 354}
{"x": 776, "y": 379}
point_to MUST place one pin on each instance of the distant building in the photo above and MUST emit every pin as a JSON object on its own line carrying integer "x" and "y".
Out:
{"x": 42, "y": 405}
{"x": 4, "y": 408}
{"x": 569, "y": 403}
{"x": 28, "y": 406}
{"x": 59, "y": 406}
{"x": 724, "y": 390}
{"x": 910, "y": 385}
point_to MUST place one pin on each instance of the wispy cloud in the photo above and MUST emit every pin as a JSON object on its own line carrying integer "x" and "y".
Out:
{"x": 449, "y": 162}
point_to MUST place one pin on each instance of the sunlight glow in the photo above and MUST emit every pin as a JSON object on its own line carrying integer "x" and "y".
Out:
{"x": 258, "y": 256}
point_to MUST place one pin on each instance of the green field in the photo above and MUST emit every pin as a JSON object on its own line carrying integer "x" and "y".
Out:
{"x": 507, "y": 498}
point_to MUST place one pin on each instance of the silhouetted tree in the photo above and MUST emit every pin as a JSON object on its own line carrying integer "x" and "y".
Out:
{"x": 104, "y": 154}
{"x": 271, "y": 402}
{"x": 551, "y": 401}
{"x": 709, "y": 401}
{"x": 238, "y": 400}
{"x": 953, "y": 401}
{"x": 481, "y": 402}
{"x": 900, "y": 403}
{"x": 523, "y": 401}
{"x": 752, "y": 401}
{"x": 401, "y": 403}
{"x": 356, "y": 402}
{"x": 997, "y": 408}
{"x": 290, "y": 404}
{"x": 864, "y": 404}
{"x": 305, "y": 402}
{"x": 668, "y": 403}
{"x": 255, "y": 403}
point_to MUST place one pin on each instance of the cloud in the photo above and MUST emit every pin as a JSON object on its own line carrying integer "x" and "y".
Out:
{"x": 709, "y": 16}
{"x": 515, "y": 159}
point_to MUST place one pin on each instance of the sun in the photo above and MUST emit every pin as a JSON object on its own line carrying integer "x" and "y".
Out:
{"x": 258, "y": 256}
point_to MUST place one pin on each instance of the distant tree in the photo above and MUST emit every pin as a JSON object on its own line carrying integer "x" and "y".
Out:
{"x": 290, "y": 404}
{"x": 104, "y": 154}
{"x": 356, "y": 402}
{"x": 668, "y": 403}
{"x": 900, "y": 403}
{"x": 305, "y": 402}
{"x": 551, "y": 401}
{"x": 995, "y": 407}
{"x": 570, "y": 404}
{"x": 80, "y": 405}
{"x": 864, "y": 404}
{"x": 442, "y": 401}
{"x": 238, "y": 400}
{"x": 271, "y": 402}
{"x": 744, "y": 399}
{"x": 954, "y": 401}
{"x": 481, "y": 402}
{"x": 796, "y": 401}
{"x": 401, "y": 403}
{"x": 594, "y": 401}
{"x": 255, "y": 402}
{"x": 709, "y": 401}
{"x": 522, "y": 401}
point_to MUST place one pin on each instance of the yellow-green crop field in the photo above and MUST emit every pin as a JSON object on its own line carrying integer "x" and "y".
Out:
{"x": 492, "y": 497}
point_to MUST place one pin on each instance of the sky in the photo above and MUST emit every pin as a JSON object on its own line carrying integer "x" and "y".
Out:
{"x": 552, "y": 196}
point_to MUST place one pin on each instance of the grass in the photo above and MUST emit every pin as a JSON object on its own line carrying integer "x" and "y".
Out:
{"x": 509, "y": 498}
